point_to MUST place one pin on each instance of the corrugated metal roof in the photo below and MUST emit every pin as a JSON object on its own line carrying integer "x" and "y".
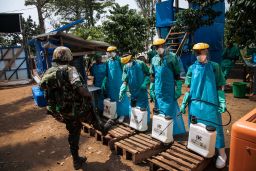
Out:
{"x": 76, "y": 44}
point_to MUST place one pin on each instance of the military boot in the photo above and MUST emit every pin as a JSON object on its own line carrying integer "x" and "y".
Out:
{"x": 78, "y": 162}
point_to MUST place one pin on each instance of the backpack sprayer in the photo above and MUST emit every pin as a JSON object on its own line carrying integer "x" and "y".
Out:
{"x": 139, "y": 116}
{"x": 159, "y": 127}
{"x": 202, "y": 138}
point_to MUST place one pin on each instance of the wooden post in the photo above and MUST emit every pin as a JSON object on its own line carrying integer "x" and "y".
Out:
{"x": 25, "y": 40}
{"x": 177, "y": 6}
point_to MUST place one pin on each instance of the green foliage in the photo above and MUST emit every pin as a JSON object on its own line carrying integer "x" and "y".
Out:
{"x": 42, "y": 7}
{"x": 89, "y": 33}
{"x": 148, "y": 12}
{"x": 30, "y": 29}
{"x": 71, "y": 10}
{"x": 126, "y": 29}
{"x": 241, "y": 22}
{"x": 192, "y": 19}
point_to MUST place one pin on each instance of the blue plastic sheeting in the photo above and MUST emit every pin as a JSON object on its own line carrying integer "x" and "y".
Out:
{"x": 39, "y": 58}
{"x": 164, "y": 31}
{"x": 213, "y": 35}
{"x": 187, "y": 59}
{"x": 164, "y": 13}
{"x": 50, "y": 54}
{"x": 67, "y": 26}
{"x": 40, "y": 61}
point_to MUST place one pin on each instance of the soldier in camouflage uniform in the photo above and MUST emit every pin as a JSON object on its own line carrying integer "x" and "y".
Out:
{"x": 68, "y": 98}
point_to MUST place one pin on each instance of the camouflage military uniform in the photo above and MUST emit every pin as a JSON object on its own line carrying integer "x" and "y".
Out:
{"x": 61, "y": 83}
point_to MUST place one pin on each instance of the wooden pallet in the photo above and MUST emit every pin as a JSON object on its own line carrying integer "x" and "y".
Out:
{"x": 88, "y": 129}
{"x": 118, "y": 132}
{"x": 138, "y": 147}
{"x": 178, "y": 158}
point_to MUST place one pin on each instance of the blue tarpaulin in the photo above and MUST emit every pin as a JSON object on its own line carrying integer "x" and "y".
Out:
{"x": 164, "y": 13}
{"x": 213, "y": 35}
{"x": 164, "y": 31}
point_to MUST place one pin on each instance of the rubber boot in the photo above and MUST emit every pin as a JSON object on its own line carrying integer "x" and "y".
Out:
{"x": 221, "y": 159}
{"x": 78, "y": 161}
{"x": 74, "y": 128}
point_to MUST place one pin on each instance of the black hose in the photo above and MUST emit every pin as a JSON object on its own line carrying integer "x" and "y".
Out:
{"x": 230, "y": 117}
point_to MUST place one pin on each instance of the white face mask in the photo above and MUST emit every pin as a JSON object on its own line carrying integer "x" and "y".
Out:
{"x": 202, "y": 58}
{"x": 160, "y": 51}
{"x": 113, "y": 54}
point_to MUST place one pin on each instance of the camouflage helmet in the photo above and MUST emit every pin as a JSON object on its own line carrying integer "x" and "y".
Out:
{"x": 63, "y": 54}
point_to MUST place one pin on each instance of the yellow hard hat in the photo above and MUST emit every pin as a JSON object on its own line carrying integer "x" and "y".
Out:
{"x": 126, "y": 58}
{"x": 200, "y": 46}
{"x": 111, "y": 48}
{"x": 158, "y": 42}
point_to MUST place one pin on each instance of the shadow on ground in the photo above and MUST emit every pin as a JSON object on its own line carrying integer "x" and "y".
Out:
{"x": 113, "y": 164}
{"x": 18, "y": 115}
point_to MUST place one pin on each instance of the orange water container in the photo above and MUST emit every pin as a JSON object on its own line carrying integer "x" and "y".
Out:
{"x": 243, "y": 143}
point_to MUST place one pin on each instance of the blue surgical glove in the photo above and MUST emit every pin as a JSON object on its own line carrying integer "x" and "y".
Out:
{"x": 222, "y": 101}
{"x": 123, "y": 90}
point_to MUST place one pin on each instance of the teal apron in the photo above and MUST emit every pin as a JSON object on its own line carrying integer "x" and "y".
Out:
{"x": 136, "y": 77}
{"x": 165, "y": 95}
{"x": 99, "y": 73}
{"x": 203, "y": 87}
{"x": 114, "y": 82}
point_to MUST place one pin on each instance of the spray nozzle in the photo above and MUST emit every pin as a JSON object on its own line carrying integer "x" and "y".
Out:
{"x": 155, "y": 111}
{"x": 193, "y": 120}
{"x": 133, "y": 103}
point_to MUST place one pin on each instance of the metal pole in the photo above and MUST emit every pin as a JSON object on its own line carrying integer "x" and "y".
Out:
{"x": 177, "y": 6}
{"x": 24, "y": 37}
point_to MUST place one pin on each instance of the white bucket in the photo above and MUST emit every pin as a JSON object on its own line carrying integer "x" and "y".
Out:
{"x": 139, "y": 119}
{"x": 162, "y": 128}
{"x": 202, "y": 139}
{"x": 109, "y": 109}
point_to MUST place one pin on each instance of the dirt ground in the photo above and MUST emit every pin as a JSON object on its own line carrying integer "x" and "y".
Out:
{"x": 32, "y": 140}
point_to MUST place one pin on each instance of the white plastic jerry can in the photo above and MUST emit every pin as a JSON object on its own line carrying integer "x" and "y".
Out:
{"x": 109, "y": 109}
{"x": 202, "y": 139}
{"x": 138, "y": 119}
{"x": 162, "y": 128}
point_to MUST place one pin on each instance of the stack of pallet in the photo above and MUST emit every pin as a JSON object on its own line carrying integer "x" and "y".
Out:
{"x": 138, "y": 147}
{"x": 117, "y": 133}
{"x": 178, "y": 158}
